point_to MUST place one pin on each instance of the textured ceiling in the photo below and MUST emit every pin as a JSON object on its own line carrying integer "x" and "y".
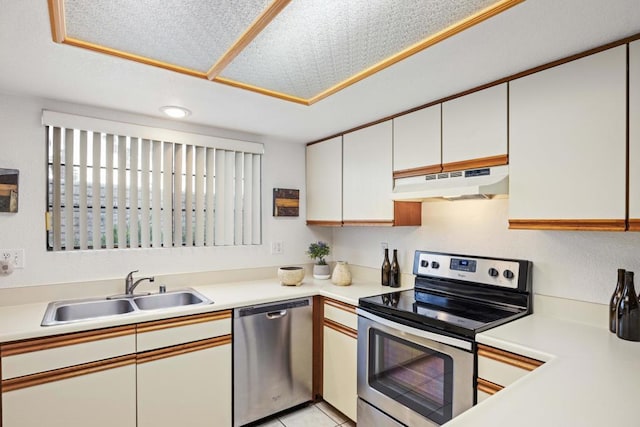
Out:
{"x": 313, "y": 45}
{"x": 298, "y": 50}
{"x": 38, "y": 73}
{"x": 191, "y": 34}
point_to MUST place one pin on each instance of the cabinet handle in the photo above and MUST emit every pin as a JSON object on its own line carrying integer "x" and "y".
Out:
{"x": 276, "y": 314}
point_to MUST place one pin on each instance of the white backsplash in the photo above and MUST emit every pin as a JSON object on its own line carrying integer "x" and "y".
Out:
{"x": 578, "y": 265}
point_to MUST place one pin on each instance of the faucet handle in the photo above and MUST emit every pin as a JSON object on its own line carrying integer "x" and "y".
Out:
{"x": 130, "y": 275}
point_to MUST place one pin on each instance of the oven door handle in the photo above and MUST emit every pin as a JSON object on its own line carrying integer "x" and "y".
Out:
{"x": 443, "y": 339}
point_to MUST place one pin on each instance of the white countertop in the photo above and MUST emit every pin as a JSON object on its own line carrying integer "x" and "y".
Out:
{"x": 590, "y": 378}
{"x": 23, "y": 321}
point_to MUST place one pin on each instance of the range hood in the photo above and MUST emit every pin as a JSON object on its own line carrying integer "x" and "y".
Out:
{"x": 479, "y": 183}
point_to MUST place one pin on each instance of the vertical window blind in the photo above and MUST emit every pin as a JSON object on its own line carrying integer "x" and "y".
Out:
{"x": 119, "y": 185}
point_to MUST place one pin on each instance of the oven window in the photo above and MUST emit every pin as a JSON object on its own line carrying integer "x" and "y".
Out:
{"x": 415, "y": 376}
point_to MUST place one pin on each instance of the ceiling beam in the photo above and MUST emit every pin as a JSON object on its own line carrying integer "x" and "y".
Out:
{"x": 247, "y": 37}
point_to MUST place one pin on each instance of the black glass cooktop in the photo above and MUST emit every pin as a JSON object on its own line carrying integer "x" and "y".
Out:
{"x": 430, "y": 311}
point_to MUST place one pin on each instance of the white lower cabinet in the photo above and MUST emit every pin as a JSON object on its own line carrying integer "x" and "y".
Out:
{"x": 172, "y": 372}
{"x": 187, "y": 387}
{"x": 79, "y": 379}
{"x": 184, "y": 371}
{"x": 339, "y": 358}
{"x": 101, "y": 399}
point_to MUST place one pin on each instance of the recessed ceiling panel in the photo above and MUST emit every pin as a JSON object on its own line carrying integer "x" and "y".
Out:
{"x": 192, "y": 34}
{"x": 314, "y": 45}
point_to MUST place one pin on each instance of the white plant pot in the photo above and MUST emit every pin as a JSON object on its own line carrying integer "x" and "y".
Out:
{"x": 322, "y": 272}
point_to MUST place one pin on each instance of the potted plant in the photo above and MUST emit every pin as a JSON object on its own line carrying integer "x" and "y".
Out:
{"x": 318, "y": 251}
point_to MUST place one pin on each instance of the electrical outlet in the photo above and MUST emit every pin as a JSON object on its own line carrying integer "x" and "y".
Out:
{"x": 277, "y": 247}
{"x": 16, "y": 256}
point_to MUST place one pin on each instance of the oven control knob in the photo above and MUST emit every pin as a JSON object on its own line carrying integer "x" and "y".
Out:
{"x": 424, "y": 263}
{"x": 493, "y": 272}
{"x": 508, "y": 274}
{"x": 435, "y": 264}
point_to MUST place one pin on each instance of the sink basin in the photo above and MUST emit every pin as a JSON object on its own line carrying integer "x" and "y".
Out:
{"x": 62, "y": 312}
{"x": 72, "y": 311}
{"x": 171, "y": 299}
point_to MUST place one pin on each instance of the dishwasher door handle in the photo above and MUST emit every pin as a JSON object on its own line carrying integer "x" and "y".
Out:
{"x": 276, "y": 314}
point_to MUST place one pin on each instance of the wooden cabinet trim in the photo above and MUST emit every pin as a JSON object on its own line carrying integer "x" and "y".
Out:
{"x": 488, "y": 387}
{"x": 484, "y": 162}
{"x": 341, "y": 305}
{"x": 324, "y": 223}
{"x": 66, "y": 373}
{"x": 163, "y": 353}
{"x": 634, "y": 224}
{"x": 424, "y": 170}
{"x": 38, "y": 344}
{"x": 340, "y": 328}
{"x": 407, "y": 213}
{"x": 368, "y": 222}
{"x": 318, "y": 346}
{"x": 182, "y": 321}
{"x": 509, "y": 358}
{"x": 568, "y": 224}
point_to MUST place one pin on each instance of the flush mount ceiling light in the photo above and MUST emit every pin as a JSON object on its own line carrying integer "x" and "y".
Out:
{"x": 175, "y": 112}
{"x": 298, "y": 50}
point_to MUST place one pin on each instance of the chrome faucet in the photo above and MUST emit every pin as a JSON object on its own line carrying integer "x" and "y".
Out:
{"x": 130, "y": 285}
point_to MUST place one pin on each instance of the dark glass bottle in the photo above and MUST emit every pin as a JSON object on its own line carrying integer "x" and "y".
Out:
{"x": 386, "y": 269}
{"x": 394, "y": 281}
{"x": 628, "y": 311}
{"x": 613, "y": 304}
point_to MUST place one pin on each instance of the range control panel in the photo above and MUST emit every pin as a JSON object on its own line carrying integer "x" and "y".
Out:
{"x": 488, "y": 271}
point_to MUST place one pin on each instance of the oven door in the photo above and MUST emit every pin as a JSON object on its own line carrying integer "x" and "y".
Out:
{"x": 418, "y": 377}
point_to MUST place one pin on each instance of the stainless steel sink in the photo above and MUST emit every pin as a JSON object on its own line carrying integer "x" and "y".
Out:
{"x": 171, "y": 299}
{"x": 63, "y": 312}
{"x": 73, "y": 311}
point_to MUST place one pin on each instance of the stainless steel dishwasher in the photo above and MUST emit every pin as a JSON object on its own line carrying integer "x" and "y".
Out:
{"x": 272, "y": 358}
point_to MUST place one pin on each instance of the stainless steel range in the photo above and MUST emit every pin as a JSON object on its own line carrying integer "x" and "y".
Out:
{"x": 416, "y": 348}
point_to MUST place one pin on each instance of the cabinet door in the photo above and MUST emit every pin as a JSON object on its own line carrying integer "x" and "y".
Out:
{"x": 567, "y": 145}
{"x": 417, "y": 142}
{"x": 187, "y": 385}
{"x": 324, "y": 182}
{"x": 634, "y": 136}
{"x": 474, "y": 130}
{"x": 96, "y": 395}
{"x": 368, "y": 180}
{"x": 339, "y": 381}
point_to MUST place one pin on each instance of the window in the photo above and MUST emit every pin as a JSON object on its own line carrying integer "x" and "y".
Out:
{"x": 117, "y": 185}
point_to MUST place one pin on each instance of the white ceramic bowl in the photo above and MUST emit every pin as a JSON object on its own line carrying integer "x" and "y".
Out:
{"x": 291, "y": 276}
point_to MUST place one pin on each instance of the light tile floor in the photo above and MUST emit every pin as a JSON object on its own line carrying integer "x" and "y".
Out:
{"x": 320, "y": 414}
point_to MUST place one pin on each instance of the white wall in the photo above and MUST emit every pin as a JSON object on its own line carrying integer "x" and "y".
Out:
{"x": 575, "y": 265}
{"x": 23, "y": 147}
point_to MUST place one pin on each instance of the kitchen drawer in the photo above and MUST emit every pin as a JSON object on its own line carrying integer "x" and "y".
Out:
{"x": 169, "y": 332}
{"x": 502, "y": 368}
{"x": 342, "y": 313}
{"x": 32, "y": 356}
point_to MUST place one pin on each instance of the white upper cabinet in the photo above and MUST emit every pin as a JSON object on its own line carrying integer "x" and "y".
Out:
{"x": 634, "y": 136}
{"x": 417, "y": 147}
{"x": 474, "y": 129}
{"x": 368, "y": 174}
{"x": 324, "y": 182}
{"x": 568, "y": 145}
